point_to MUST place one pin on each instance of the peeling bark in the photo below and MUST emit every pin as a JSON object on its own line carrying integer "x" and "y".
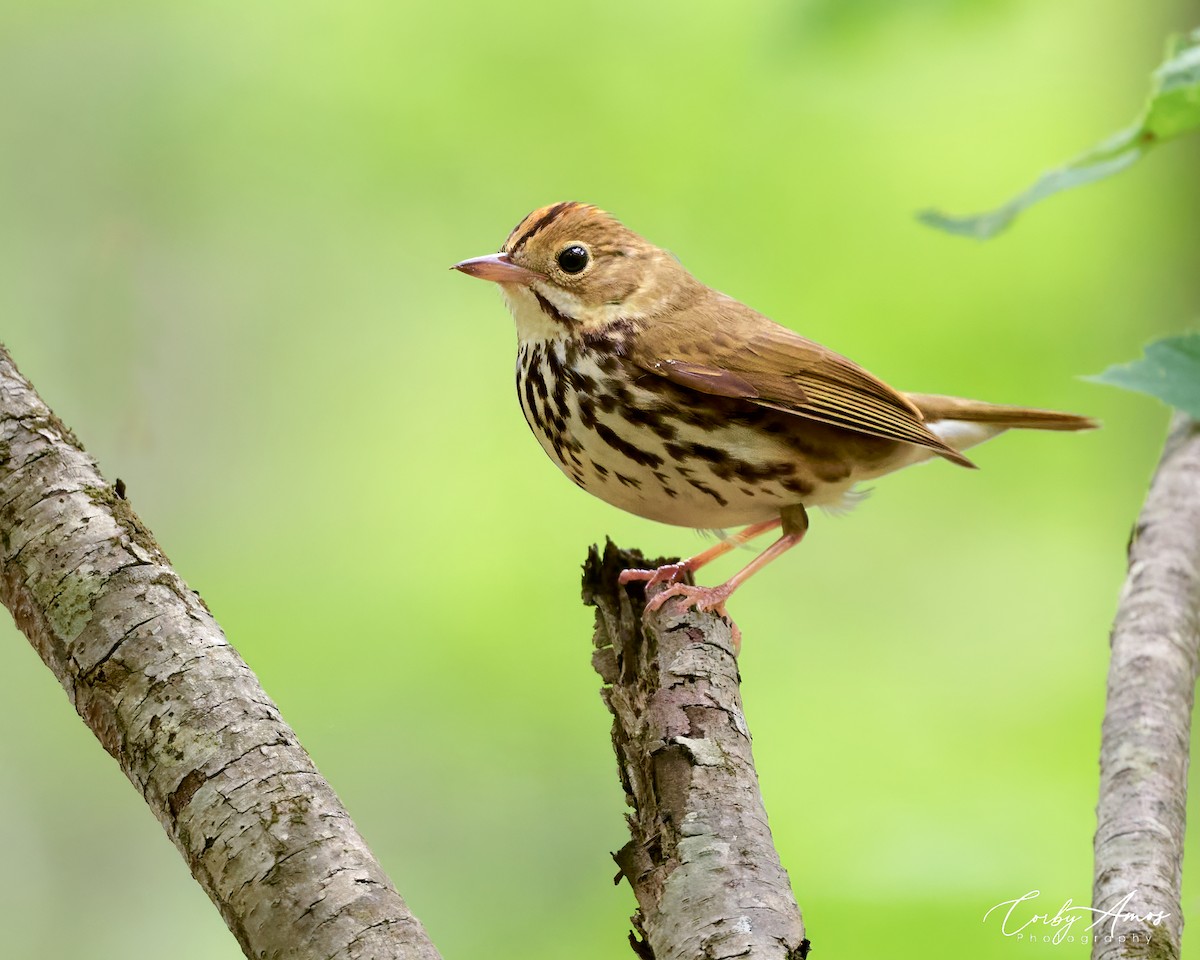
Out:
{"x": 149, "y": 670}
{"x": 701, "y": 861}
{"x": 1144, "y": 751}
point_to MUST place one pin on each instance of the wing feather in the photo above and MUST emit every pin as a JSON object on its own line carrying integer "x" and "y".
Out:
{"x": 721, "y": 347}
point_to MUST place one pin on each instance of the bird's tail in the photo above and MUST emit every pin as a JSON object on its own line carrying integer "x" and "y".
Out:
{"x": 962, "y": 423}
{"x": 997, "y": 415}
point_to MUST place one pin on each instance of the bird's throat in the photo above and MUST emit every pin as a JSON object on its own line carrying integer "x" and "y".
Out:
{"x": 537, "y": 316}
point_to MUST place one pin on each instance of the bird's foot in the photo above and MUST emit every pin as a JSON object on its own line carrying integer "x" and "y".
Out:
{"x": 668, "y": 573}
{"x": 704, "y": 599}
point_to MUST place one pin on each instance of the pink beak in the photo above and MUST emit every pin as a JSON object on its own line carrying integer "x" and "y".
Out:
{"x": 498, "y": 268}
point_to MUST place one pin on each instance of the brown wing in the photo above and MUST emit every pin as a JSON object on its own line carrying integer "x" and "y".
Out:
{"x": 722, "y": 347}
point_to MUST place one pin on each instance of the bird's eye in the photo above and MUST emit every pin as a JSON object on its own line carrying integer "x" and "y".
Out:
{"x": 573, "y": 259}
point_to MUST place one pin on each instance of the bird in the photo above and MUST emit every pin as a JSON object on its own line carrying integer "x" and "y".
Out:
{"x": 680, "y": 404}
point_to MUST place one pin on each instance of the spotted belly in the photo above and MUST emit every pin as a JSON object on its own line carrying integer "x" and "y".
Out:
{"x": 666, "y": 453}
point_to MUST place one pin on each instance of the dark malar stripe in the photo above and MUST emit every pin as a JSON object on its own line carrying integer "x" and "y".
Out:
{"x": 542, "y": 222}
{"x": 551, "y": 310}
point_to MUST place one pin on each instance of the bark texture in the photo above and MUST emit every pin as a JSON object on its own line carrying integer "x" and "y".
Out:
{"x": 700, "y": 859}
{"x": 1144, "y": 751}
{"x": 149, "y": 670}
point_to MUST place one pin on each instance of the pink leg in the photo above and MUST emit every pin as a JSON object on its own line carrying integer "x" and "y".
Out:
{"x": 714, "y": 598}
{"x": 672, "y": 572}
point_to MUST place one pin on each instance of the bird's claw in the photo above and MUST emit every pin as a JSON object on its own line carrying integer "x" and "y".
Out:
{"x": 704, "y": 599}
{"x": 685, "y": 595}
{"x": 668, "y": 573}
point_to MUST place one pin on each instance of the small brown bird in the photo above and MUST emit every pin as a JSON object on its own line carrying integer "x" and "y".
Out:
{"x": 677, "y": 403}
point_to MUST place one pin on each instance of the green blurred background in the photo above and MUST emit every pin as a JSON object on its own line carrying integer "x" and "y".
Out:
{"x": 224, "y": 246}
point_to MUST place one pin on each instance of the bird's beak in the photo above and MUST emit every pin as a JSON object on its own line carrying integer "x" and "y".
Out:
{"x": 498, "y": 268}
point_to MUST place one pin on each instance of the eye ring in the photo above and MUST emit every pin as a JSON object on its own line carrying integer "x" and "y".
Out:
{"x": 573, "y": 259}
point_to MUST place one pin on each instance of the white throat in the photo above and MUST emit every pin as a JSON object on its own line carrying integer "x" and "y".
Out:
{"x": 533, "y": 322}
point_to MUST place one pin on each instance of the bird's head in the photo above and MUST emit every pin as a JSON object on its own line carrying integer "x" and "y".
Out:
{"x": 571, "y": 267}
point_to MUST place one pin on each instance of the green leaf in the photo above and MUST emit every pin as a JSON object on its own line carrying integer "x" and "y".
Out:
{"x": 1170, "y": 371}
{"x": 1172, "y": 110}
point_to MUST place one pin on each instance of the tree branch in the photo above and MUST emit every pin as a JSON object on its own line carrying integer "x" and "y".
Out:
{"x": 1144, "y": 750}
{"x": 701, "y": 861}
{"x": 150, "y": 672}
